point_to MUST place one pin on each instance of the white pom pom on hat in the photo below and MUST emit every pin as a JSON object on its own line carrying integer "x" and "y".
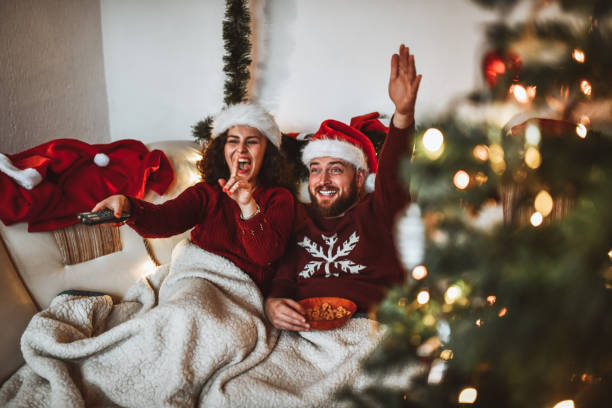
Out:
{"x": 247, "y": 114}
{"x": 101, "y": 160}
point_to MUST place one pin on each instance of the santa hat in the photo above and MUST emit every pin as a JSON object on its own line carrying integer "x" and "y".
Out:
{"x": 336, "y": 139}
{"x": 247, "y": 114}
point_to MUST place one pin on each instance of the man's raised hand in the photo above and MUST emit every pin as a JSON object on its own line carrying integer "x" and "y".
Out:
{"x": 403, "y": 87}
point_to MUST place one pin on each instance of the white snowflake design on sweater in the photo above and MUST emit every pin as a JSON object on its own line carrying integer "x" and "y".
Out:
{"x": 329, "y": 259}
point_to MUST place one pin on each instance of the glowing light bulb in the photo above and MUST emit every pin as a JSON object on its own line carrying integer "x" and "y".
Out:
{"x": 479, "y": 322}
{"x": 585, "y": 87}
{"x": 491, "y": 299}
{"x": 468, "y": 395}
{"x": 461, "y": 180}
{"x": 433, "y": 139}
{"x": 502, "y": 312}
{"x": 452, "y": 294}
{"x": 423, "y": 297}
{"x": 419, "y": 272}
{"x": 610, "y": 254}
{"x": 531, "y": 92}
{"x": 447, "y": 355}
{"x": 581, "y": 131}
{"x": 543, "y": 203}
{"x": 536, "y": 219}
{"x": 533, "y": 158}
{"x": 565, "y": 404}
{"x": 532, "y": 134}
{"x": 520, "y": 93}
{"x": 578, "y": 55}
{"x": 481, "y": 152}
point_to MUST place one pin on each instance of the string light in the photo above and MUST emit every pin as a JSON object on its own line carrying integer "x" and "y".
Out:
{"x": 581, "y": 131}
{"x": 481, "y": 152}
{"x": 531, "y": 92}
{"x": 419, "y": 272}
{"x": 461, "y": 180}
{"x": 610, "y": 254}
{"x": 496, "y": 156}
{"x": 433, "y": 141}
{"x": 533, "y": 159}
{"x": 479, "y": 322}
{"x": 532, "y": 134}
{"x": 565, "y": 404}
{"x": 585, "y": 87}
{"x": 543, "y": 203}
{"x": 503, "y": 311}
{"x": 447, "y": 355}
{"x": 536, "y": 219}
{"x": 578, "y": 55}
{"x": 520, "y": 93}
{"x": 491, "y": 299}
{"x": 480, "y": 178}
{"x": 452, "y": 294}
{"x": 423, "y": 297}
{"x": 468, "y": 395}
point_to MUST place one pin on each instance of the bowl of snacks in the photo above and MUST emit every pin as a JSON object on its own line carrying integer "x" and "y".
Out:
{"x": 326, "y": 313}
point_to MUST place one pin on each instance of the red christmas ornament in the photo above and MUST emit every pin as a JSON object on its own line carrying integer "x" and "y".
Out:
{"x": 498, "y": 63}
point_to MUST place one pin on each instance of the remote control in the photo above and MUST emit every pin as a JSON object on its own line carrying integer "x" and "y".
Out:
{"x": 99, "y": 217}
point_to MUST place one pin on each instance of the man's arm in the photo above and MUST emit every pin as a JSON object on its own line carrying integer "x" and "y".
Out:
{"x": 390, "y": 195}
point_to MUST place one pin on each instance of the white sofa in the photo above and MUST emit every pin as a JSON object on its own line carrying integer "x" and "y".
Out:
{"x": 32, "y": 272}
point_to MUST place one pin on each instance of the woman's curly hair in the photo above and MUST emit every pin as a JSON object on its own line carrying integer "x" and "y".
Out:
{"x": 274, "y": 171}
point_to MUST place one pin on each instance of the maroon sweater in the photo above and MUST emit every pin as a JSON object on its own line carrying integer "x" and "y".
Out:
{"x": 352, "y": 256}
{"x": 252, "y": 245}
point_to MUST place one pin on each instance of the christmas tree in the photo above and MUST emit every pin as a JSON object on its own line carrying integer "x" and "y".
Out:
{"x": 511, "y": 304}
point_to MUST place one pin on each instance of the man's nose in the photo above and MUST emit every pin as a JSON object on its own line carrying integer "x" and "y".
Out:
{"x": 326, "y": 177}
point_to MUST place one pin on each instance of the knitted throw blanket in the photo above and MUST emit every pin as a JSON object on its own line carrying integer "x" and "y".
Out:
{"x": 193, "y": 333}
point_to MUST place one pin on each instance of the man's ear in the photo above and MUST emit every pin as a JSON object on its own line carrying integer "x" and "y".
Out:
{"x": 360, "y": 177}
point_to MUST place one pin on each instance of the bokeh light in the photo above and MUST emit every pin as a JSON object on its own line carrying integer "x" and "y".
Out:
{"x": 423, "y": 297}
{"x": 481, "y": 152}
{"x": 585, "y": 87}
{"x": 536, "y": 219}
{"x": 578, "y": 55}
{"x": 491, "y": 299}
{"x": 532, "y": 134}
{"x": 533, "y": 158}
{"x": 433, "y": 139}
{"x": 581, "y": 131}
{"x": 468, "y": 395}
{"x": 461, "y": 179}
{"x": 419, "y": 272}
{"x": 565, "y": 404}
{"x": 520, "y": 93}
{"x": 452, "y": 294}
{"x": 543, "y": 203}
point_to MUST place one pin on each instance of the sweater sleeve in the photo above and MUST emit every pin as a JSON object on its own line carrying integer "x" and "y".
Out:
{"x": 169, "y": 218}
{"x": 390, "y": 194}
{"x": 264, "y": 236}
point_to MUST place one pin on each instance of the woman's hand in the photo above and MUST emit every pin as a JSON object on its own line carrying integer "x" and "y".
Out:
{"x": 403, "y": 87}
{"x": 240, "y": 189}
{"x": 118, "y": 203}
{"x": 286, "y": 314}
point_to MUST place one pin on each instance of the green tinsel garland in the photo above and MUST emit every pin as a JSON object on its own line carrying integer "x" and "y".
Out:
{"x": 237, "y": 58}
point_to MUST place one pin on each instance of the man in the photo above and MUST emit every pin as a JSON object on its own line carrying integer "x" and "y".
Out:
{"x": 342, "y": 243}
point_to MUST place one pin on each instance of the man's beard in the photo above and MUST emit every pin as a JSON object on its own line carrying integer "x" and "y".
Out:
{"x": 340, "y": 205}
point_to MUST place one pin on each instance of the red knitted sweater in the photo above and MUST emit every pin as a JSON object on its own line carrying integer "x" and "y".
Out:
{"x": 352, "y": 256}
{"x": 252, "y": 245}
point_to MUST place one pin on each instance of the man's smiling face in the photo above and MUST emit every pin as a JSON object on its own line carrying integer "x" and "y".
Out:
{"x": 334, "y": 185}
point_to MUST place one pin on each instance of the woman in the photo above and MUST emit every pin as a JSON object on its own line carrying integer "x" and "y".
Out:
{"x": 240, "y": 211}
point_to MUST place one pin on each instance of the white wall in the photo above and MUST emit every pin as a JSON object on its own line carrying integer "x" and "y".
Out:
{"x": 51, "y": 73}
{"x": 315, "y": 59}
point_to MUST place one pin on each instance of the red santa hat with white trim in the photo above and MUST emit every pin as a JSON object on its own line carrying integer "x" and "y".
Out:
{"x": 336, "y": 139}
{"x": 247, "y": 114}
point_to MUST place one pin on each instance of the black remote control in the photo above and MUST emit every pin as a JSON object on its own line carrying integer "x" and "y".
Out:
{"x": 99, "y": 217}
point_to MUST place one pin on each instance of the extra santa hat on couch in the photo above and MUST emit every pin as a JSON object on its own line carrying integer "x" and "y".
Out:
{"x": 336, "y": 139}
{"x": 247, "y": 114}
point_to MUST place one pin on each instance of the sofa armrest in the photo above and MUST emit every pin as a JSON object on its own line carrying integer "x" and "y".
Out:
{"x": 16, "y": 310}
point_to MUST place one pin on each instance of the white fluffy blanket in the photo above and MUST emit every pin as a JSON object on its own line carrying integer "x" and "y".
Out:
{"x": 193, "y": 333}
